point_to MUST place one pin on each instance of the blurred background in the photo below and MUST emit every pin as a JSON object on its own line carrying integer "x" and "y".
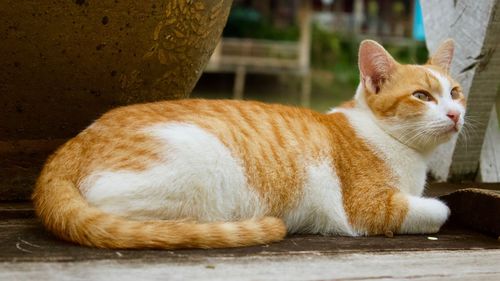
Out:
{"x": 306, "y": 54}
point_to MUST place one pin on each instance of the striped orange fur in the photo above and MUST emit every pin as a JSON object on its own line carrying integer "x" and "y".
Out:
{"x": 288, "y": 159}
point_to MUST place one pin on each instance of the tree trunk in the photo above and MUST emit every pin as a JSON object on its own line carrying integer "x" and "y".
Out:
{"x": 475, "y": 27}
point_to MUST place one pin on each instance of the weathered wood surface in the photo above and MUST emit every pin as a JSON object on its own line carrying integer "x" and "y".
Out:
{"x": 26, "y": 240}
{"x": 475, "y": 27}
{"x": 22, "y": 238}
{"x": 490, "y": 155}
{"x": 440, "y": 265}
{"x": 28, "y": 252}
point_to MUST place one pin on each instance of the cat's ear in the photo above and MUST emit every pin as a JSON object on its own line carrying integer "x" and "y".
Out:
{"x": 443, "y": 56}
{"x": 375, "y": 65}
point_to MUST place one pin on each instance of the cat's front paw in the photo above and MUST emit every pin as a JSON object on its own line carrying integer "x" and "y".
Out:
{"x": 425, "y": 215}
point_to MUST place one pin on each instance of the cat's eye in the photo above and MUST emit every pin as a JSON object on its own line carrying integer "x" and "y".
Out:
{"x": 455, "y": 93}
{"x": 421, "y": 95}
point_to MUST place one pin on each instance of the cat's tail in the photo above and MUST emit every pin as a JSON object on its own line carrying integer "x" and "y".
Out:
{"x": 64, "y": 211}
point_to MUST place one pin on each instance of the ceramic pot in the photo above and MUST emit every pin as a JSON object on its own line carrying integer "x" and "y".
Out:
{"x": 63, "y": 63}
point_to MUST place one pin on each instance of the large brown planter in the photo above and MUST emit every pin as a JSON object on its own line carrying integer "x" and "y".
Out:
{"x": 65, "y": 62}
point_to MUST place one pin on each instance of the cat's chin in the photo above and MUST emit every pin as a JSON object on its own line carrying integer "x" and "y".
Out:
{"x": 451, "y": 131}
{"x": 447, "y": 136}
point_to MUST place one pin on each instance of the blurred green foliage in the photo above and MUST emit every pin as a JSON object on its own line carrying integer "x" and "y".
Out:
{"x": 244, "y": 22}
{"x": 331, "y": 48}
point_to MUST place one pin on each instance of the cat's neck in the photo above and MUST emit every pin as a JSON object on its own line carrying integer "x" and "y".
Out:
{"x": 407, "y": 164}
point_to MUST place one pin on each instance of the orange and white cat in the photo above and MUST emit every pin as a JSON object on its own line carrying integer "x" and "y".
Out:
{"x": 199, "y": 173}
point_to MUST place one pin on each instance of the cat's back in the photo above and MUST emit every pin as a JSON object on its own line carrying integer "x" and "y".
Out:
{"x": 248, "y": 128}
{"x": 200, "y": 111}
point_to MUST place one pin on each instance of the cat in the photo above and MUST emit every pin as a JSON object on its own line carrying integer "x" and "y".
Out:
{"x": 224, "y": 173}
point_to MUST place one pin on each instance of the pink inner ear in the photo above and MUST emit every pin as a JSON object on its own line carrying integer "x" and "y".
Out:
{"x": 444, "y": 55}
{"x": 375, "y": 64}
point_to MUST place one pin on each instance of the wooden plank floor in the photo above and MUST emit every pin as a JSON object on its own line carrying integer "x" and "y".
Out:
{"x": 28, "y": 252}
{"x": 441, "y": 265}
{"x": 25, "y": 240}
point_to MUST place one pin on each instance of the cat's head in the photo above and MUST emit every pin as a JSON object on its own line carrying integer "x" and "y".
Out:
{"x": 421, "y": 105}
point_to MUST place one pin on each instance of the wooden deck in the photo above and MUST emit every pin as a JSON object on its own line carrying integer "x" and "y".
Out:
{"x": 28, "y": 252}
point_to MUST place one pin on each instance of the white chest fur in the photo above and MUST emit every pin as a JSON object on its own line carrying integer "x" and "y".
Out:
{"x": 407, "y": 165}
{"x": 320, "y": 209}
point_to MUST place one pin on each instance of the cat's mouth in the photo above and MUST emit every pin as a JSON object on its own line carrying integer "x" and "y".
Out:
{"x": 452, "y": 129}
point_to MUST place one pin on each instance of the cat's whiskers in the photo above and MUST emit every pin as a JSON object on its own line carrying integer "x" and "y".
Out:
{"x": 422, "y": 132}
{"x": 468, "y": 129}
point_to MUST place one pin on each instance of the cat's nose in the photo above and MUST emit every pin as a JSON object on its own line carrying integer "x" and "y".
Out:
{"x": 453, "y": 115}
